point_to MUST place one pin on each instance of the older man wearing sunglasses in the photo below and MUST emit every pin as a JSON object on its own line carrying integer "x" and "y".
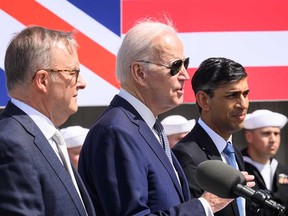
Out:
{"x": 126, "y": 162}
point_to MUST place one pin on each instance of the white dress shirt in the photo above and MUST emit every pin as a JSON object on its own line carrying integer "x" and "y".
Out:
{"x": 220, "y": 144}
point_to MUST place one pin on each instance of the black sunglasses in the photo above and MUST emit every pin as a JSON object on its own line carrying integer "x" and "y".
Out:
{"x": 175, "y": 66}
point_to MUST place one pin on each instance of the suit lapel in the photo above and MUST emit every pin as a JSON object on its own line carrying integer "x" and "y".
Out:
{"x": 182, "y": 178}
{"x": 239, "y": 159}
{"x": 149, "y": 137}
{"x": 47, "y": 152}
{"x": 85, "y": 196}
{"x": 153, "y": 143}
{"x": 205, "y": 142}
{"x": 209, "y": 147}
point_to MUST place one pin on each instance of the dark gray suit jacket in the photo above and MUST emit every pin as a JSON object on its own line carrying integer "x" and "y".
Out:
{"x": 194, "y": 148}
{"x": 33, "y": 181}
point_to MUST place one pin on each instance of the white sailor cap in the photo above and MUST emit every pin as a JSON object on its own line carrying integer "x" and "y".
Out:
{"x": 74, "y": 135}
{"x": 264, "y": 118}
{"x": 174, "y": 124}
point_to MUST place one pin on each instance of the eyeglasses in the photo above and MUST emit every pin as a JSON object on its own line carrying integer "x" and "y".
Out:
{"x": 175, "y": 66}
{"x": 73, "y": 72}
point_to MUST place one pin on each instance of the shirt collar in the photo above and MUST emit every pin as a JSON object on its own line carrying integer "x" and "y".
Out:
{"x": 44, "y": 123}
{"x": 141, "y": 108}
{"x": 220, "y": 143}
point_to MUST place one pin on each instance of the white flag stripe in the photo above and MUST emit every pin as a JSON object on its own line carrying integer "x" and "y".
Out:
{"x": 11, "y": 27}
{"x": 84, "y": 23}
{"x": 248, "y": 48}
{"x": 98, "y": 92}
{"x": 257, "y": 49}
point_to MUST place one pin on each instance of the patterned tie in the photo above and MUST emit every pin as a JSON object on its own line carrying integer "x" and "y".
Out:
{"x": 62, "y": 148}
{"x": 158, "y": 127}
{"x": 231, "y": 159}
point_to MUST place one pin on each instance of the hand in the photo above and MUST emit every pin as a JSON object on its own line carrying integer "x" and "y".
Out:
{"x": 216, "y": 202}
{"x": 249, "y": 179}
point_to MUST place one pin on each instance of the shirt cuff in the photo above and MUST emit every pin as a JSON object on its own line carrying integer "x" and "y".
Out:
{"x": 206, "y": 206}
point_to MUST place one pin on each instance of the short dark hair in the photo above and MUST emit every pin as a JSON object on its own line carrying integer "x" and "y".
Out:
{"x": 214, "y": 72}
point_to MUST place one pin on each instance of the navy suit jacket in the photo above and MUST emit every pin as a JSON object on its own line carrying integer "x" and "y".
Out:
{"x": 127, "y": 172}
{"x": 33, "y": 181}
{"x": 194, "y": 148}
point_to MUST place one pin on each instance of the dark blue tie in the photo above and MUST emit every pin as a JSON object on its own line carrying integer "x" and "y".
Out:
{"x": 158, "y": 127}
{"x": 231, "y": 159}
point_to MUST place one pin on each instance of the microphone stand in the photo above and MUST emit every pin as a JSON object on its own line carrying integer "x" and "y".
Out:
{"x": 262, "y": 199}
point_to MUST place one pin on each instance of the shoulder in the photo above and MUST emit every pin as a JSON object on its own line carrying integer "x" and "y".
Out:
{"x": 281, "y": 168}
{"x": 187, "y": 145}
{"x": 14, "y": 134}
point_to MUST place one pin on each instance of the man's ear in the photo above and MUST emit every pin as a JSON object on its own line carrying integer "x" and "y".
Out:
{"x": 203, "y": 100}
{"x": 248, "y": 136}
{"x": 41, "y": 80}
{"x": 137, "y": 73}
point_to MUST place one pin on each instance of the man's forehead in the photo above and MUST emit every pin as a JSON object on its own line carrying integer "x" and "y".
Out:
{"x": 267, "y": 129}
{"x": 234, "y": 87}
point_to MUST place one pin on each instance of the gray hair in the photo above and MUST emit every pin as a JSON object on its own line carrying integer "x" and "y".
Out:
{"x": 138, "y": 44}
{"x": 30, "y": 51}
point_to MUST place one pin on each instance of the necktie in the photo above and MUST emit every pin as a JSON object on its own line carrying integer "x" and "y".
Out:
{"x": 62, "y": 148}
{"x": 158, "y": 127}
{"x": 231, "y": 159}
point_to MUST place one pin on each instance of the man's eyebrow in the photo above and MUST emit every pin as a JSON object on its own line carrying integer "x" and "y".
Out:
{"x": 237, "y": 90}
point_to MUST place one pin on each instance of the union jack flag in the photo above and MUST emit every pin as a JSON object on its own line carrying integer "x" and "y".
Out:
{"x": 253, "y": 33}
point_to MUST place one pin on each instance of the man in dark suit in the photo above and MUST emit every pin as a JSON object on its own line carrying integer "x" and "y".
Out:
{"x": 221, "y": 91}
{"x": 123, "y": 162}
{"x": 42, "y": 76}
{"x": 263, "y": 135}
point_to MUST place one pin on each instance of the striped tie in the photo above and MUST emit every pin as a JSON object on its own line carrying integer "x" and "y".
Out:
{"x": 158, "y": 127}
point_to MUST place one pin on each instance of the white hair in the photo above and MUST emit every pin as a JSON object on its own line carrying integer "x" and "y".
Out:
{"x": 137, "y": 44}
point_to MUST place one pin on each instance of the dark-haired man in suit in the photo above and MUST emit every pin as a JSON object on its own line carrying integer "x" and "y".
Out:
{"x": 221, "y": 90}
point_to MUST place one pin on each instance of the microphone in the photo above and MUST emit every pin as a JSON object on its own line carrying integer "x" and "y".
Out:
{"x": 224, "y": 181}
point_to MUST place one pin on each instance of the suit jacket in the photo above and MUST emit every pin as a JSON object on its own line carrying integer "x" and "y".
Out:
{"x": 194, "y": 148}
{"x": 127, "y": 172}
{"x": 33, "y": 180}
{"x": 279, "y": 192}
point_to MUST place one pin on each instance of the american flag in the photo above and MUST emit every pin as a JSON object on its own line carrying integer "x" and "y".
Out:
{"x": 253, "y": 33}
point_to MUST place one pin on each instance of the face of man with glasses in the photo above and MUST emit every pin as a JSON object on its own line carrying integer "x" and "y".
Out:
{"x": 166, "y": 74}
{"x": 63, "y": 82}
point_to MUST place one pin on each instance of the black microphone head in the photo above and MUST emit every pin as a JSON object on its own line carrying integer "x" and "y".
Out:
{"x": 219, "y": 178}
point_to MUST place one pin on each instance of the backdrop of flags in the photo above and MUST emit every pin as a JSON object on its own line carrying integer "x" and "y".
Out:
{"x": 254, "y": 33}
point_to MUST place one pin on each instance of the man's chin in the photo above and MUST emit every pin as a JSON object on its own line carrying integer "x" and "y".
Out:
{"x": 73, "y": 110}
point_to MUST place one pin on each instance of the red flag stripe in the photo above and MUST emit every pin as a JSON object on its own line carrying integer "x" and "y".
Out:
{"x": 265, "y": 83}
{"x": 91, "y": 54}
{"x": 207, "y": 16}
